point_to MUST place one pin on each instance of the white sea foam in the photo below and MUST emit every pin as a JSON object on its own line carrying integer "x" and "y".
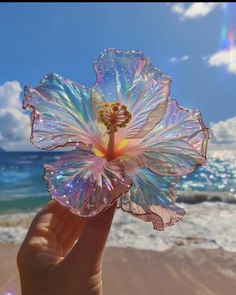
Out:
{"x": 12, "y": 234}
{"x": 205, "y": 225}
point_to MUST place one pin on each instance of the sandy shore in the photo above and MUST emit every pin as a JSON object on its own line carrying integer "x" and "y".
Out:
{"x": 130, "y": 271}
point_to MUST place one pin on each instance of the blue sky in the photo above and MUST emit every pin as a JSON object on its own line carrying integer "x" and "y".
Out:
{"x": 66, "y": 38}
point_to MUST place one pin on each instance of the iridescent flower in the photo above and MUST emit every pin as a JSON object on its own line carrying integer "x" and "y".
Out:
{"x": 132, "y": 141}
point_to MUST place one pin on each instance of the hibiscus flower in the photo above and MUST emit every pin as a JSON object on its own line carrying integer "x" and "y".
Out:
{"x": 131, "y": 140}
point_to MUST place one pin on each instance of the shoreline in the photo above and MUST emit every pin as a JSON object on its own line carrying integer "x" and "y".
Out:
{"x": 32, "y": 204}
{"x": 208, "y": 225}
{"x": 129, "y": 271}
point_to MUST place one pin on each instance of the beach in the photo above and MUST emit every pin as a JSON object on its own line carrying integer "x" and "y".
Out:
{"x": 195, "y": 256}
{"x": 129, "y": 271}
{"x": 118, "y": 104}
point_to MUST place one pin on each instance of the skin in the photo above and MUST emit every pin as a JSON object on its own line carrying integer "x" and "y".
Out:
{"x": 63, "y": 253}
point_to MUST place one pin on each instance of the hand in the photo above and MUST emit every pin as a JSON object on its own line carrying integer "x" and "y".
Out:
{"x": 63, "y": 253}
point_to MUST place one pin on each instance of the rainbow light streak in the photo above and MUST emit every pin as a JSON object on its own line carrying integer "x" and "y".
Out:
{"x": 227, "y": 38}
{"x": 223, "y": 38}
{"x": 231, "y": 39}
{"x": 231, "y": 45}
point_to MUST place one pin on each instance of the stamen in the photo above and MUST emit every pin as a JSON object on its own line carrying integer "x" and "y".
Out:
{"x": 113, "y": 115}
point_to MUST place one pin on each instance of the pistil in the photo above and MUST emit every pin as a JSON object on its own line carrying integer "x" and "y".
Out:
{"x": 113, "y": 115}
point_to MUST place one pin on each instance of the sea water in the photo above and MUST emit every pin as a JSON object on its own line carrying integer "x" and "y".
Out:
{"x": 209, "y": 224}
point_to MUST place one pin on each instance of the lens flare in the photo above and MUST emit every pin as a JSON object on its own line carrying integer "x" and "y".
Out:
{"x": 223, "y": 38}
{"x": 227, "y": 39}
{"x": 231, "y": 39}
{"x": 231, "y": 45}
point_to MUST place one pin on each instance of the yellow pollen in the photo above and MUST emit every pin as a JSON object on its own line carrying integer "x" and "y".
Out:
{"x": 115, "y": 108}
{"x": 114, "y": 115}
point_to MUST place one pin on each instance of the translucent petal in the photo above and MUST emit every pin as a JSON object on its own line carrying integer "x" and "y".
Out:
{"x": 127, "y": 76}
{"x": 151, "y": 199}
{"x": 85, "y": 183}
{"x": 178, "y": 144}
{"x": 61, "y": 113}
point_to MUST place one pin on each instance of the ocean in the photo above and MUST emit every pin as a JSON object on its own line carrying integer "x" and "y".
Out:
{"x": 208, "y": 196}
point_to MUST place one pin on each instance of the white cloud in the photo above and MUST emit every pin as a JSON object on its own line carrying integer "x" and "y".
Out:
{"x": 224, "y": 58}
{"x": 174, "y": 59}
{"x": 9, "y": 94}
{"x": 14, "y": 125}
{"x": 185, "y": 57}
{"x": 195, "y": 10}
{"x": 224, "y": 134}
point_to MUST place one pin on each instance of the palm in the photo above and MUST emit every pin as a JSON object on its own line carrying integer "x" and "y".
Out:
{"x": 63, "y": 253}
{"x": 59, "y": 248}
{"x": 52, "y": 234}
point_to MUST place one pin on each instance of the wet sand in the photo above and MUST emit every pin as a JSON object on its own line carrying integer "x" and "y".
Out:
{"x": 128, "y": 271}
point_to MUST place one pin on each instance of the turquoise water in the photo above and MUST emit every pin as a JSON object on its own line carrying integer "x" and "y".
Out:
{"x": 22, "y": 186}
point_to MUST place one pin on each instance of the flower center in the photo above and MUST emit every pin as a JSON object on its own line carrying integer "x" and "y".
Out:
{"x": 113, "y": 115}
